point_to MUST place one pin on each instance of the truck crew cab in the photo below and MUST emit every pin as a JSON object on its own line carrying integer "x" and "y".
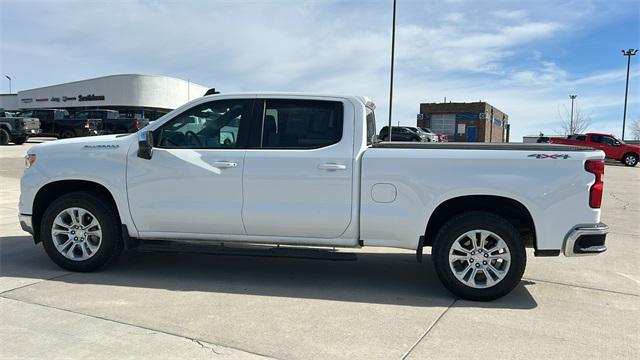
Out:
{"x": 292, "y": 169}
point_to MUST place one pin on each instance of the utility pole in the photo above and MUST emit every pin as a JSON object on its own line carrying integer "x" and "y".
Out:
{"x": 393, "y": 46}
{"x": 629, "y": 53}
{"x": 573, "y": 98}
{"x": 8, "y": 78}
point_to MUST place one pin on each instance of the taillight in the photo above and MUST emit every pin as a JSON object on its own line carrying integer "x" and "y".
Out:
{"x": 87, "y": 125}
{"x": 596, "y": 167}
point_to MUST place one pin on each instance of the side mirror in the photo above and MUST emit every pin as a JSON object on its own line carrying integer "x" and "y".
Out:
{"x": 145, "y": 144}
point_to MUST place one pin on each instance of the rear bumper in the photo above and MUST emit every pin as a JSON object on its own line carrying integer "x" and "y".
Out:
{"x": 25, "y": 223}
{"x": 586, "y": 239}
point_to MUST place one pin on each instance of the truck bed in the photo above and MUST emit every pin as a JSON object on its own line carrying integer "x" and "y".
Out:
{"x": 480, "y": 146}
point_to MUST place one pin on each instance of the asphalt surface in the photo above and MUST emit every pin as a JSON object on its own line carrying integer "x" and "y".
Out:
{"x": 382, "y": 306}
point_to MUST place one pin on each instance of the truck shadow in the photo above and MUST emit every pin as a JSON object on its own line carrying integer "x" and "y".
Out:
{"x": 380, "y": 278}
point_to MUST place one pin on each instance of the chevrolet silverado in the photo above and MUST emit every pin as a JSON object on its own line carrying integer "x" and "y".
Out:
{"x": 308, "y": 170}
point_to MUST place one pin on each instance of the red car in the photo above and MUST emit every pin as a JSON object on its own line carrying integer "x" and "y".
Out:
{"x": 613, "y": 148}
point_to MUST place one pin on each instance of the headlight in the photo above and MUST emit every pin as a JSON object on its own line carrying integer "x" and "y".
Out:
{"x": 29, "y": 160}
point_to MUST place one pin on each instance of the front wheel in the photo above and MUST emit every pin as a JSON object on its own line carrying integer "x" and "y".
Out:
{"x": 630, "y": 160}
{"x": 80, "y": 231}
{"x": 479, "y": 256}
{"x": 4, "y": 137}
{"x": 19, "y": 140}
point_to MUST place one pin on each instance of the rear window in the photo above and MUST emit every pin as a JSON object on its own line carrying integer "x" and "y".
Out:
{"x": 301, "y": 124}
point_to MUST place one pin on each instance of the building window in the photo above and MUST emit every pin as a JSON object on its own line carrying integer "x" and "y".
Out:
{"x": 443, "y": 123}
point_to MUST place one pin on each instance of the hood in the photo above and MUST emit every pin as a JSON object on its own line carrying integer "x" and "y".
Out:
{"x": 88, "y": 144}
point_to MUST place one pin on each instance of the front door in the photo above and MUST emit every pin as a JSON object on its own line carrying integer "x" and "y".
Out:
{"x": 193, "y": 182}
{"x": 298, "y": 178}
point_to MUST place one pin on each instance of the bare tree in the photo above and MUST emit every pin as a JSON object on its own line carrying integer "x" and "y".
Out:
{"x": 580, "y": 123}
{"x": 635, "y": 129}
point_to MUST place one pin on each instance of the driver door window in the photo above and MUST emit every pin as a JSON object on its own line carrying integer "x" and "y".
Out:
{"x": 213, "y": 125}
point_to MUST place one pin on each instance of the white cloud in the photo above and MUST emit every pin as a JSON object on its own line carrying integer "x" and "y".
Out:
{"x": 456, "y": 49}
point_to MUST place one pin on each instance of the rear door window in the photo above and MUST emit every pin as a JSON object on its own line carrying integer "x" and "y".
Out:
{"x": 301, "y": 124}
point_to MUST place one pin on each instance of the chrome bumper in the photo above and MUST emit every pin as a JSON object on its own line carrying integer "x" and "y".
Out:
{"x": 25, "y": 223}
{"x": 586, "y": 239}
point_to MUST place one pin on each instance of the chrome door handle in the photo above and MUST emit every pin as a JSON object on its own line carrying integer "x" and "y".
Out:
{"x": 225, "y": 164}
{"x": 332, "y": 167}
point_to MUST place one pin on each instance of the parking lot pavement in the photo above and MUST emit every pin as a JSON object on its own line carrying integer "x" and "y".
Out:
{"x": 383, "y": 306}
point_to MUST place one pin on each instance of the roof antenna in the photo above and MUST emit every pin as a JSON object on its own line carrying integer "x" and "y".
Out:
{"x": 211, "y": 91}
{"x": 393, "y": 46}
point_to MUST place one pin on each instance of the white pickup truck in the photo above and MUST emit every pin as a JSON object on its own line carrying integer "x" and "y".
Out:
{"x": 307, "y": 170}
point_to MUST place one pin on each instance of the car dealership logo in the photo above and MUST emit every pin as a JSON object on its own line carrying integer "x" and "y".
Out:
{"x": 550, "y": 156}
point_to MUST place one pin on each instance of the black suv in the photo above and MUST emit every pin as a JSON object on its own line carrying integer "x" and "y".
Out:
{"x": 400, "y": 133}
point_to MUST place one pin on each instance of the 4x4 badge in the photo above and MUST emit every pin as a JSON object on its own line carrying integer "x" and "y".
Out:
{"x": 550, "y": 156}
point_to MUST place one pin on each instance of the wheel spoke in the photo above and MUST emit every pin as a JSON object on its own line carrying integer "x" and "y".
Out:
{"x": 457, "y": 247}
{"x": 58, "y": 221}
{"x": 92, "y": 224}
{"x": 472, "y": 278}
{"x": 85, "y": 249}
{"x": 483, "y": 238}
{"x": 69, "y": 253}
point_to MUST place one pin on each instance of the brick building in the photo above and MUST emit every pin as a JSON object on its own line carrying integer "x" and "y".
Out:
{"x": 471, "y": 122}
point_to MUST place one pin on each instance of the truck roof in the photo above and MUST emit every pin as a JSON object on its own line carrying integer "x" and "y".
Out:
{"x": 362, "y": 99}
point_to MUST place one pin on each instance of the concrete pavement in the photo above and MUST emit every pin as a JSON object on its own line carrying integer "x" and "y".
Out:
{"x": 383, "y": 306}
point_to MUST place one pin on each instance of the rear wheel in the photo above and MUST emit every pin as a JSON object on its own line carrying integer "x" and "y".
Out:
{"x": 80, "y": 231}
{"x": 67, "y": 134}
{"x": 479, "y": 256}
{"x": 4, "y": 137}
{"x": 630, "y": 159}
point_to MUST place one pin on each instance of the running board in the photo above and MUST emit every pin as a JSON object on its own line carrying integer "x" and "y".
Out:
{"x": 244, "y": 250}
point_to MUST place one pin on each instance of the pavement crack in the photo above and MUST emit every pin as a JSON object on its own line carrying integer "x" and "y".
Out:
{"x": 37, "y": 282}
{"x": 625, "y": 203}
{"x": 433, "y": 324}
{"x": 206, "y": 346}
{"x": 582, "y": 287}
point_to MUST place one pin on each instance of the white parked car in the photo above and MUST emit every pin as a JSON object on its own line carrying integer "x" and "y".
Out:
{"x": 306, "y": 170}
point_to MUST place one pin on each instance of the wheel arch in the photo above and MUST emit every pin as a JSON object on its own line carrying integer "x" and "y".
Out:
{"x": 510, "y": 209}
{"x": 53, "y": 190}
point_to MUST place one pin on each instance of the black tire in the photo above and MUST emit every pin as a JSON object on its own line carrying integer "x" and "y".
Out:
{"x": 478, "y": 220}
{"x": 66, "y": 134}
{"x": 19, "y": 140}
{"x": 4, "y": 137}
{"x": 111, "y": 243}
{"x": 630, "y": 159}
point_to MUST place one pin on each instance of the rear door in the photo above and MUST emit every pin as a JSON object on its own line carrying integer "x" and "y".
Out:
{"x": 298, "y": 175}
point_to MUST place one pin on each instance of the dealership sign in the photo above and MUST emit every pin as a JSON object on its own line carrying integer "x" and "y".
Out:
{"x": 91, "y": 97}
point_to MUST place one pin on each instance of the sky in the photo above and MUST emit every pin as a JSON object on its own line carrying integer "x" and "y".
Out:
{"x": 523, "y": 57}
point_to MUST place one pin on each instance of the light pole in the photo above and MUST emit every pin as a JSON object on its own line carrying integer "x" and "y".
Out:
{"x": 8, "y": 78}
{"x": 393, "y": 46}
{"x": 573, "y": 98}
{"x": 629, "y": 53}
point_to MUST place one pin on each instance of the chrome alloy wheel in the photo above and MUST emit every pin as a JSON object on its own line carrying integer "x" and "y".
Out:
{"x": 76, "y": 234}
{"x": 630, "y": 160}
{"x": 479, "y": 259}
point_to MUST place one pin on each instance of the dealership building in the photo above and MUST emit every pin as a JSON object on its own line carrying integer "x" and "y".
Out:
{"x": 133, "y": 95}
{"x": 465, "y": 122}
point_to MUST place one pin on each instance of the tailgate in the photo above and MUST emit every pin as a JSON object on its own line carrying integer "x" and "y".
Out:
{"x": 31, "y": 123}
